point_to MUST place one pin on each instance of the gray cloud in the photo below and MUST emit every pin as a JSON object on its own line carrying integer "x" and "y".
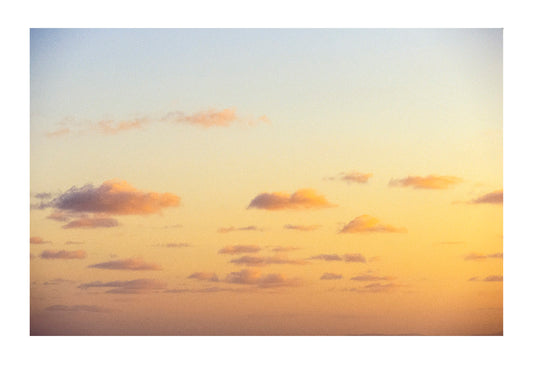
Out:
{"x": 239, "y": 249}
{"x": 206, "y": 276}
{"x": 136, "y": 264}
{"x": 249, "y": 260}
{"x": 77, "y": 308}
{"x": 480, "y": 257}
{"x": 330, "y": 276}
{"x": 63, "y": 254}
{"x": 254, "y": 277}
{"x": 127, "y": 286}
{"x": 244, "y": 228}
{"x": 303, "y": 228}
{"x": 369, "y": 277}
{"x": 494, "y": 197}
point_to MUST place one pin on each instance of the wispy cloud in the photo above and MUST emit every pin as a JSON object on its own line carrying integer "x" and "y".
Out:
{"x": 111, "y": 127}
{"x": 127, "y": 286}
{"x": 206, "y": 119}
{"x": 244, "y": 228}
{"x": 376, "y": 288}
{"x": 302, "y": 228}
{"x": 370, "y": 277}
{"x": 74, "y": 243}
{"x": 78, "y": 308}
{"x": 202, "y": 290}
{"x": 113, "y": 197}
{"x": 352, "y": 177}
{"x": 256, "y": 278}
{"x": 494, "y": 197}
{"x": 38, "y": 240}
{"x": 239, "y": 249}
{"x": 434, "y": 182}
{"x": 301, "y": 199}
{"x": 176, "y": 245}
{"x": 369, "y": 224}
{"x": 59, "y": 132}
{"x": 283, "y": 249}
{"x": 207, "y": 276}
{"x": 491, "y": 278}
{"x": 330, "y": 276}
{"x": 58, "y": 281}
{"x": 91, "y": 223}
{"x": 349, "y": 258}
{"x": 63, "y": 254}
{"x": 137, "y": 264}
{"x": 480, "y": 257}
{"x": 249, "y": 260}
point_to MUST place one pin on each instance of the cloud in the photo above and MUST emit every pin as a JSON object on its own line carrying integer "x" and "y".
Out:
{"x": 60, "y": 132}
{"x": 254, "y": 277}
{"x": 43, "y": 195}
{"x": 302, "y": 228}
{"x": 480, "y": 257}
{"x": 59, "y": 216}
{"x": 38, "y": 240}
{"x": 301, "y": 199}
{"x": 249, "y": 260}
{"x": 327, "y": 257}
{"x": 74, "y": 243}
{"x": 239, "y": 249}
{"x": 494, "y": 197}
{"x": 376, "y": 288}
{"x": 330, "y": 276}
{"x": 283, "y": 249}
{"x": 127, "y": 286}
{"x": 434, "y": 182}
{"x": 491, "y": 278}
{"x": 77, "y": 308}
{"x": 353, "y": 177}
{"x": 205, "y": 119}
{"x": 57, "y": 281}
{"x": 113, "y": 197}
{"x": 91, "y": 223}
{"x": 207, "y": 276}
{"x": 369, "y": 224}
{"x": 63, "y": 254}
{"x": 177, "y": 245}
{"x": 201, "y": 290}
{"x": 233, "y": 229}
{"x": 369, "y": 277}
{"x": 350, "y": 258}
{"x": 136, "y": 264}
{"x": 111, "y": 127}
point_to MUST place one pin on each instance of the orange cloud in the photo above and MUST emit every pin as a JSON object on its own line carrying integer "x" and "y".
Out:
{"x": 303, "y": 228}
{"x": 330, "y": 276}
{"x": 353, "y": 177}
{"x": 136, "y": 264}
{"x": 368, "y": 277}
{"x": 60, "y": 132}
{"x": 177, "y": 245}
{"x": 127, "y": 286}
{"x": 206, "y": 119}
{"x": 208, "y": 276}
{"x": 91, "y": 222}
{"x": 369, "y": 224}
{"x": 491, "y": 278}
{"x": 108, "y": 126}
{"x": 263, "y": 261}
{"x": 63, "y": 254}
{"x": 239, "y": 249}
{"x": 327, "y": 257}
{"x": 428, "y": 182}
{"x": 376, "y": 288}
{"x": 494, "y": 197}
{"x": 301, "y": 199}
{"x": 283, "y": 249}
{"x": 358, "y": 258}
{"x": 479, "y": 257}
{"x": 254, "y": 277}
{"x": 114, "y": 197}
{"x": 233, "y": 229}
{"x": 38, "y": 240}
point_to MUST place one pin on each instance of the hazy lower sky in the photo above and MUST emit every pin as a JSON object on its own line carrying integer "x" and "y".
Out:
{"x": 265, "y": 182}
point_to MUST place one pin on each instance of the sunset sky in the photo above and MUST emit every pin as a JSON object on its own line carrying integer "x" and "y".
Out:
{"x": 266, "y": 182}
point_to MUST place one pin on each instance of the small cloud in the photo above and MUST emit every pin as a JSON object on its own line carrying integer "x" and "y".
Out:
{"x": 494, "y": 197}
{"x": 353, "y": 177}
{"x": 330, "y": 276}
{"x": 205, "y": 119}
{"x": 38, "y": 240}
{"x": 77, "y": 308}
{"x": 234, "y": 229}
{"x": 369, "y": 277}
{"x": 113, "y": 197}
{"x": 136, "y": 264}
{"x": 59, "y": 216}
{"x": 43, "y": 195}
{"x": 301, "y": 199}
{"x": 480, "y": 257}
{"x": 201, "y": 290}
{"x": 369, "y": 224}
{"x": 283, "y": 249}
{"x": 327, "y": 257}
{"x": 91, "y": 223}
{"x": 110, "y": 127}
{"x": 249, "y": 260}
{"x": 177, "y": 245}
{"x": 58, "y": 281}
{"x": 254, "y": 277}
{"x": 74, "y": 243}
{"x": 127, "y": 286}
{"x": 207, "y": 276}
{"x": 357, "y": 258}
{"x": 60, "y": 132}
{"x": 302, "y": 228}
{"x": 376, "y": 288}
{"x": 434, "y": 182}
{"x": 239, "y": 249}
{"x": 63, "y": 254}
{"x": 491, "y": 278}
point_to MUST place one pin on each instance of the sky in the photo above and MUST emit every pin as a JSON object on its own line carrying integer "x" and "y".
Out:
{"x": 266, "y": 182}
